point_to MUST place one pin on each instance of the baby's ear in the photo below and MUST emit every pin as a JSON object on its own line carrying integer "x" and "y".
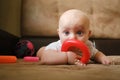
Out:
{"x": 90, "y": 33}
{"x": 58, "y": 30}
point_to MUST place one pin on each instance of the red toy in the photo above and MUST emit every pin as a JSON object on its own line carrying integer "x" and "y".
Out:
{"x": 78, "y": 44}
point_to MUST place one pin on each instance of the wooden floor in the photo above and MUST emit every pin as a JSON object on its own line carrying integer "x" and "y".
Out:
{"x": 34, "y": 71}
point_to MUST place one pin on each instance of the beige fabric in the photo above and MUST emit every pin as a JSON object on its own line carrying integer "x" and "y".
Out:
{"x": 106, "y": 19}
{"x": 40, "y": 18}
{"x": 35, "y": 71}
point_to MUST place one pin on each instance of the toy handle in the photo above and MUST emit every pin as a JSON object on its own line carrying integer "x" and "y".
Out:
{"x": 78, "y": 44}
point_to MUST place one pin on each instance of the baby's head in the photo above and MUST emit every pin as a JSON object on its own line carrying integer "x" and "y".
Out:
{"x": 74, "y": 24}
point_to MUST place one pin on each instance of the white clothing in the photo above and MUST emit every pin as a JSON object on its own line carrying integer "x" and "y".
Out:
{"x": 57, "y": 46}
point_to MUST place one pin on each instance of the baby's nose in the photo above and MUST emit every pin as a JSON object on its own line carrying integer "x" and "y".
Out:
{"x": 72, "y": 36}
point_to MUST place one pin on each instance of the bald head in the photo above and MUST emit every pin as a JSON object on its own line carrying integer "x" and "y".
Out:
{"x": 73, "y": 17}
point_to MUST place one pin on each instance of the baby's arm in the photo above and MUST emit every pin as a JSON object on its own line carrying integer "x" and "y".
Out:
{"x": 101, "y": 58}
{"x": 51, "y": 56}
{"x": 54, "y": 57}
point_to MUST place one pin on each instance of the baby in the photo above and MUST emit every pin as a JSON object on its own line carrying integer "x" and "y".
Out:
{"x": 73, "y": 24}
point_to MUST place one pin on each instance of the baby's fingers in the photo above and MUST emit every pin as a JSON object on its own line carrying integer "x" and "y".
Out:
{"x": 79, "y": 63}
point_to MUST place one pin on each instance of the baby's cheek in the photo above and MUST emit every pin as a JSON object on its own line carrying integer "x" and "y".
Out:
{"x": 83, "y": 39}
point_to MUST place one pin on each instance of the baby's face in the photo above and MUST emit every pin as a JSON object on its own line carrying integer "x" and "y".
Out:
{"x": 75, "y": 27}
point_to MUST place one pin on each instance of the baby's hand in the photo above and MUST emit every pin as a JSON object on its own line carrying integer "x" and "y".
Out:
{"x": 101, "y": 58}
{"x": 105, "y": 60}
{"x": 79, "y": 63}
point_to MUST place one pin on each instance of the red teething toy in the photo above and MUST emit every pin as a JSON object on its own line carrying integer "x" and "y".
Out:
{"x": 78, "y": 44}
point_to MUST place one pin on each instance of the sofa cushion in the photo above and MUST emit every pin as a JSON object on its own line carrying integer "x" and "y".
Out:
{"x": 40, "y": 18}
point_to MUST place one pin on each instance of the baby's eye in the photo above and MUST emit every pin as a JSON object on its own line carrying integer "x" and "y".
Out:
{"x": 79, "y": 32}
{"x": 66, "y": 32}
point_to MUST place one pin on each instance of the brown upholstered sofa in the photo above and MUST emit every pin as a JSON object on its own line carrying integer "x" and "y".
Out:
{"x": 39, "y": 22}
{"x": 40, "y": 18}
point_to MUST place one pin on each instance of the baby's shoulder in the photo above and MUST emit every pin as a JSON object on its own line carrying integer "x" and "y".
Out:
{"x": 89, "y": 43}
{"x": 54, "y": 45}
